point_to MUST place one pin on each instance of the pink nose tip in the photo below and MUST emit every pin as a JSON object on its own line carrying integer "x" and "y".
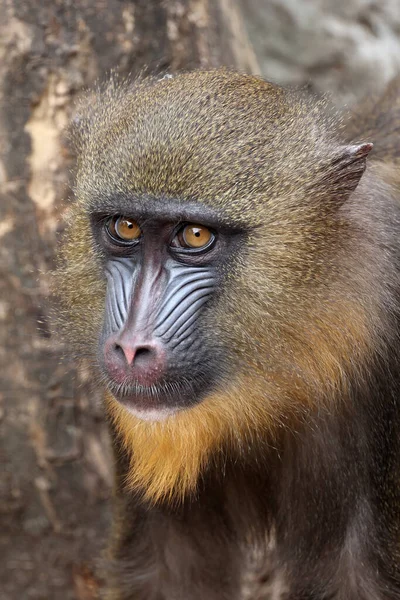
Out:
{"x": 141, "y": 362}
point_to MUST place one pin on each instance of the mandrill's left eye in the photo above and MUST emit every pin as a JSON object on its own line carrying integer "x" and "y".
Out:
{"x": 193, "y": 237}
{"x": 123, "y": 230}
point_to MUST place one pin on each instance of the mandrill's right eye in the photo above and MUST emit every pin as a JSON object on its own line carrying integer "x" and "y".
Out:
{"x": 123, "y": 230}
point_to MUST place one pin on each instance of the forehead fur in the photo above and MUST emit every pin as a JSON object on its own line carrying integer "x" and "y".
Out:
{"x": 200, "y": 136}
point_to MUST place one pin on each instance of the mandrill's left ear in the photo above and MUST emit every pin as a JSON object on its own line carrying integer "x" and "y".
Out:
{"x": 346, "y": 168}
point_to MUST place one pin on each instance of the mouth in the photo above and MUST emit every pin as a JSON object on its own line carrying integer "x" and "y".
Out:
{"x": 157, "y": 401}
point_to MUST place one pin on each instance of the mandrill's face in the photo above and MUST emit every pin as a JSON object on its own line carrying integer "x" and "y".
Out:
{"x": 212, "y": 269}
{"x": 164, "y": 262}
{"x": 212, "y": 240}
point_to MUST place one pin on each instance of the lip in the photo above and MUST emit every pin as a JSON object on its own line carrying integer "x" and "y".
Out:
{"x": 148, "y": 412}
{"x": 156, "y": 401}
{"x": 145, "y": 394}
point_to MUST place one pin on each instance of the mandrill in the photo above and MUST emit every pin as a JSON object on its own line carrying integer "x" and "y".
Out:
{"x": 231, "y": 267}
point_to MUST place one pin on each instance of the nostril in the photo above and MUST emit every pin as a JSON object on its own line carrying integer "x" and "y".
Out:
{"x": 119, "y": 350}
{"x": 143, "y": 356}
{"x": 124, "y": 353}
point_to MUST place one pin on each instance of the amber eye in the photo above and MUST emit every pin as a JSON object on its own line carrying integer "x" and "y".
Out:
{"x": 123, "y": 229}
{"x": 193, "y": 236}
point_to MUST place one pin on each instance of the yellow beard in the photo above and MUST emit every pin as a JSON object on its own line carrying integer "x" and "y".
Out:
{"x": 167, "y": 457}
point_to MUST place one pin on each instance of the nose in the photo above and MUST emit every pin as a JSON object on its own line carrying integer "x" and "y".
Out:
{"x": 130, "y": 361}
{"x": 137, "y": 355}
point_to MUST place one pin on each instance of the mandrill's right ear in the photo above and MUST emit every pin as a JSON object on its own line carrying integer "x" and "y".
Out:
{"x": 342, "y": 174}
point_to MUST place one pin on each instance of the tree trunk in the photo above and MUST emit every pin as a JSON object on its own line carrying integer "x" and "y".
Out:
{"x": 56, "y": 469}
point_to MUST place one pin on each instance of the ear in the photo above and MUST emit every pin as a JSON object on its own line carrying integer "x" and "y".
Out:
{"x": 347, "y": 168}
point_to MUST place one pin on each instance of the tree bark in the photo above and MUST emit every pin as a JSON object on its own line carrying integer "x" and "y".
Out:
{"x": 56, "y": 467}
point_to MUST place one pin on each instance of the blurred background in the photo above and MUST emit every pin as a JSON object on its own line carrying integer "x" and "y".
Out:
{"x": 56, "y": 471}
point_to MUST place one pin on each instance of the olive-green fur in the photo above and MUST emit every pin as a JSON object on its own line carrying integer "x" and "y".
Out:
{"x": 80, "y": 285}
